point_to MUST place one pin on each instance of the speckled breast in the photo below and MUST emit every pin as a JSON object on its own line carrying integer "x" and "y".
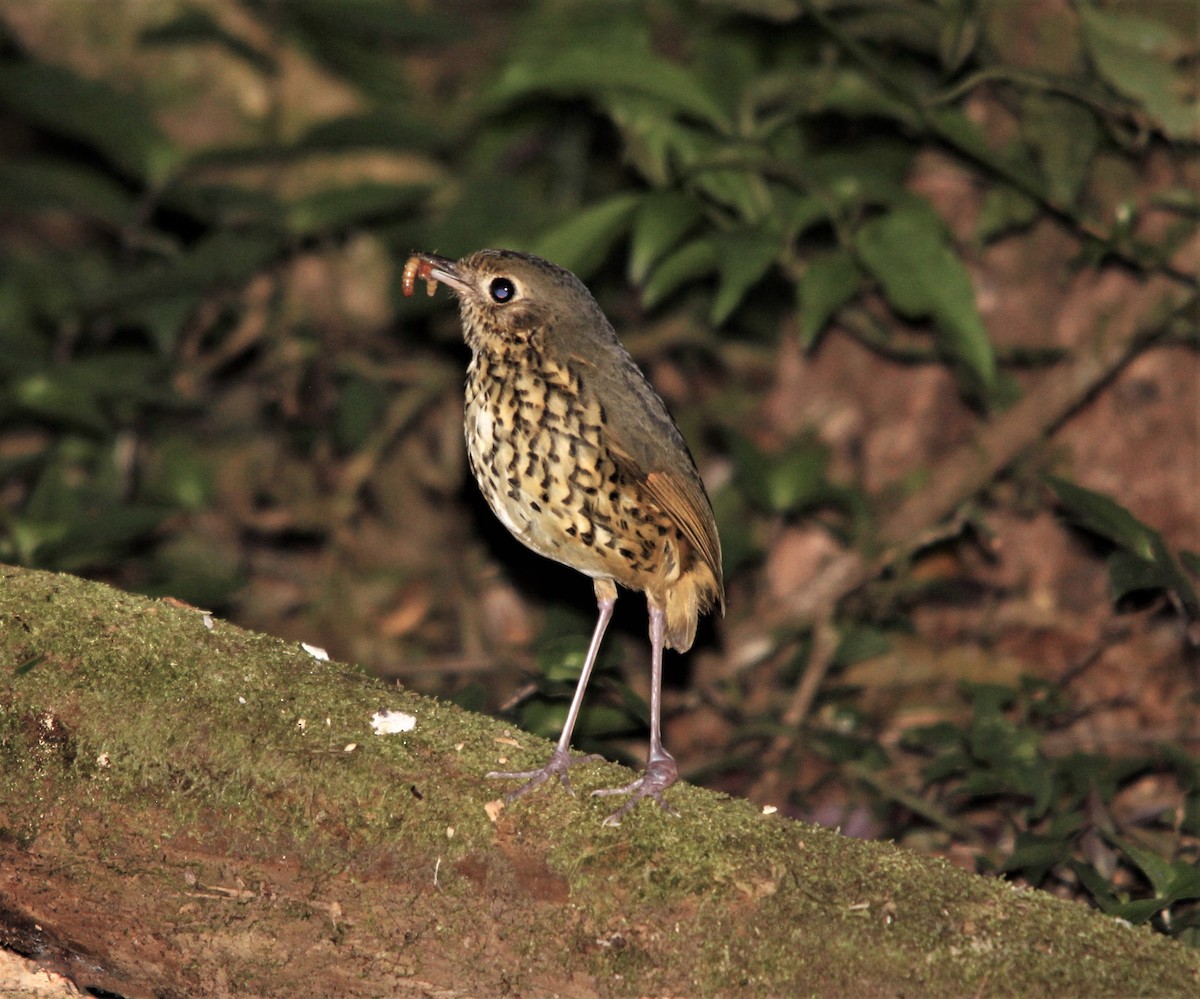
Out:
{"x": 536, "y": 446}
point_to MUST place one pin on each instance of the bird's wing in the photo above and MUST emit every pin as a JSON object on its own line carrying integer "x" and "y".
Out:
{"x": 637, "y": 432}
{"x": 677, "y": 490}
{"x": 687, "y": 504}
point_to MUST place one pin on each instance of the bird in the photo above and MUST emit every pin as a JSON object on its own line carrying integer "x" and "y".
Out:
{"x": 577, "y": 455}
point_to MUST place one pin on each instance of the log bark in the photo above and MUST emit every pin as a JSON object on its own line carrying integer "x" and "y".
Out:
{"x": 196, "y": 810}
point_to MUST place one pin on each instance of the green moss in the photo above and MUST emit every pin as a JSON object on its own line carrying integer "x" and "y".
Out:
{"x": 133, "y": 730}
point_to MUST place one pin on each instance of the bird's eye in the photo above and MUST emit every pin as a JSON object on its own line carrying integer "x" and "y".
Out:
{"x": 502, "y": 290}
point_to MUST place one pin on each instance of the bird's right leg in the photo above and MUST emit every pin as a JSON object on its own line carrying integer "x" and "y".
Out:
{"x": 562, "y": 759}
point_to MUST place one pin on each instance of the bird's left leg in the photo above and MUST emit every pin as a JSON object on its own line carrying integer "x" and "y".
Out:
{"x": 661, "y": 771}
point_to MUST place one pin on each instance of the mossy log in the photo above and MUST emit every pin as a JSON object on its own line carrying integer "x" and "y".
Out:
{"x": 191, "y": 809}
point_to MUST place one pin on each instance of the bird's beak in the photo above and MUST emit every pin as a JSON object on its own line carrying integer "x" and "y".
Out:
{"x": 435, "y": 268}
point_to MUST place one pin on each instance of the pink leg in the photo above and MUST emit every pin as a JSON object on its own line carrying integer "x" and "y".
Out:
{"x": 661, "y": 771}
{"x": 561, "y": 759}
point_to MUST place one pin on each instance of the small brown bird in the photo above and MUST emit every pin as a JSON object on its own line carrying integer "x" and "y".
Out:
{"x": 579, "y": 458}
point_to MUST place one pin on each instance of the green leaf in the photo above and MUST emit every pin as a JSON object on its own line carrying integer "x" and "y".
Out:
{"x": 1036, "y": 854}
{"x": 653, "y": 141}
{"x": 372, "y": 130}
{"x": 340, "y": 207}
{"x": 49, "y": 397}
{"x": 197, "y": 26}
{"x": 663, "y": 218}
{"x": 1185, "y": 882}
{"x": 1005, "y": 209}
{"x": 907, "y": 251}
{"x": 37, "y": 183}
{"x": 741, "y": 189}
{"x": 1173, "y": 882}
{"x": 225, "y": 258}
{"x": 1144, "y": 561}
{"x": 1064, "y": 136}
{"x": 871, "y": 173}
{"x": 581, "y": 243}
{"x": 795, "y": 213}
{"x": 1102, "y": 515}
{"x": 101, "y": 533}
{"x": 687, "y": 263}
{"x": 595, "y": 69}
{"x": 1136, "y": 912}
{"x": 1099, "y": 886}
{"x": 560, "y": 659}
{"x": 1147, "y": 62}
{"x": 25, "y": 537}
{"x": 859, "y": 642}
{"x": 939, "y": 735}
{"x": 743, "y": 258}
{"x": 740, "y": 545}
{"x": 829, "y": 282}
{"x": 1129, "y": 573}
{"x": 854, "y": 93}
{"x": 225, "y": 206}
{"x": 374, "y": 23}
{"x": 93, "y": 113}
{"x": 782, "y": 482}
{"x": 178, "y": 476}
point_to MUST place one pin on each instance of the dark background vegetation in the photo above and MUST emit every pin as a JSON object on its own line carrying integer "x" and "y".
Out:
{"x": 917, "y": 279}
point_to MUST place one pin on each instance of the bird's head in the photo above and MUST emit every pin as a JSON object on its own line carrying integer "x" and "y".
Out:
{"x": 510, "y": 297}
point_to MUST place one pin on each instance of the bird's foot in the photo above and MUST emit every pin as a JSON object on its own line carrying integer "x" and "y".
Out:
{"x": 558, "y": 764}
{"x": 659, "y": 775}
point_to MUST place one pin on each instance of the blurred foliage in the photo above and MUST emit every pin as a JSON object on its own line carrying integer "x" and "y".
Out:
{"x": 1058, "y": 813}
{"x": 1140, "y": 560}
{"x": 739, "y": 162}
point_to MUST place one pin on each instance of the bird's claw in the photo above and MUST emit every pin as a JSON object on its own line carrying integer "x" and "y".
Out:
{"x": 558, "y": 764}
{"x": 660, "y": 774}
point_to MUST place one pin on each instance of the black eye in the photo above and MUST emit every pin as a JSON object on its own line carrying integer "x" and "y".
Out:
{"x": 502, "y": 290}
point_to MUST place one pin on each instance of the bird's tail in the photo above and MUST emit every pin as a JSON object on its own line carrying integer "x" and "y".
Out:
{"x": 692, "y": 594}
